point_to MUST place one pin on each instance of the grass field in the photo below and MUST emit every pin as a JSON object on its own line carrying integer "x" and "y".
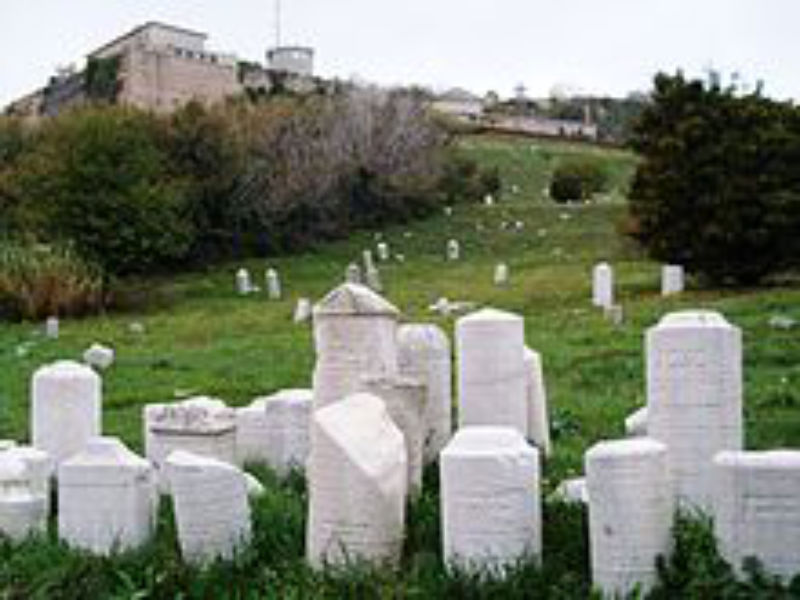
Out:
{"x": 201, "y": 338}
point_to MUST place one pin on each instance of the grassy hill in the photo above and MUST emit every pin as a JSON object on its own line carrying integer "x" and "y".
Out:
{"x": 201, "y": 338}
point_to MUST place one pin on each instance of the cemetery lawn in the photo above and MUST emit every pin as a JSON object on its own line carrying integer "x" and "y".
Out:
{"x": 201, "y": 338}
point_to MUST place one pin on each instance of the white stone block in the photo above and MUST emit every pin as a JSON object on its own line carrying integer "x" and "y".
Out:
{"x": 243, "y": 284}
{"x": 501, "y": 276}
{"x": 355, "y": 335}
{"x": 694, "y": 396}
{"x": 491, "y": 509}
{"x": 383, "y": 251}
{"x": 302, "y": 310}
{"x": 630, "y": 513}
{"x": 22, "y": 511}
{"x": 273, "y": 282}
{"x": 274, "y": 430}
{"x": 99, "y": 356}
{"x": 353, "y": 273}
{"x": 357, "y": 484}
{"x": 424, "y": 354}
{"x": 65, "y": 408}
{"x": 636, "y": 423}
{"x": 41, "y": 470}
{"x": 671, "y": 279}
{"x": 491, "y": 370}
{"x": 107, "y": 498}
{"x": 538, "y": 429}
{"x": 453, "y": 250}
{"x": 405, "y": 400}
{"x": 603, "y": 285}
{"x": 211, "y": 506}
{"x": 757, "y": 509}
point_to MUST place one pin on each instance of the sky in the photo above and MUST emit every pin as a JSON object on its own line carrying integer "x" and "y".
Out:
{"x": 609, "y": 47}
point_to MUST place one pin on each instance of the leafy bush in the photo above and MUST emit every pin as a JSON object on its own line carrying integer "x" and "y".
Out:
{"x": 577, "y": 179}
{"x": 718, "y": 188}
{"x": 37, "y": 281}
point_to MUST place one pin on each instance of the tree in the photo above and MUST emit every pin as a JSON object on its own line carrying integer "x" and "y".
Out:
{"x": 718, "y": 188}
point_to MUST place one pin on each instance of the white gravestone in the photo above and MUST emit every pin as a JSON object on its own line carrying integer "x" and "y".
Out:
{"x": 357, "y": 475}
{"x": 274, "y": 430}
{"x": 636, "y": 423}
{"x": 40, "y": 470}
{"x": 51, "y": 328}
{"x": 694, "y": 396}
{"x": 491, "y": 370}
{"x": 302, "y": 310}
{"x": 453, "y": 250}
{"x": 355, "y": 335}
{"x": 203, "y": 426}
{"x": 383, "y": 251}
{"x": 99, "y": 356}
{"x": 107, "y": 498}
{"x": 353, "y": 273}
{"x": 630, "y": 513}
{"x": 369, "y": 263}
{"x": 491, "y": 509}
{"x": 373, "y": 279}
{"x": 424, "y": 354}
{"x": 243, "y": 285}
{"x": 501, "y": 276}
{"x": 538, "y": 419}
{"x": 22, "y": 510}
{"x": 757, "y": 509}
{"x": 603, "y": 285}
{"x": 671, "y": 279}
{"x": 405, "y": 400}
{"x": 273, "y": 284}
{"x": 65, "y": 407}
{"x": 212, "y": 512}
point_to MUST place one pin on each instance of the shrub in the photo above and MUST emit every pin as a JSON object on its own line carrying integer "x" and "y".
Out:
{"x": 37, "y": 281}
{"x": 717, "y": 189}
{"x": 577, "y": 179}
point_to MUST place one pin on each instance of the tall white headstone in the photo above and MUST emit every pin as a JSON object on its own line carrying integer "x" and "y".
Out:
{"x": 424, "y": 354}
{"x": 211, "y": 506}
{"x": 355, "y": 335}
{"x": 22, "y": 511}
{"x": 357, "y": 478}
{"x": 757, "y": 509}
{"x": 491, "y": 370}
{"x": 536, "y": 394}
{"x": 501, "y": 274}
{"x": 405, "y": 400}
{"x": 243, "y": 285}
{"x": 274, "y": 430}
{"x": 491, "y": 509}
{"x": 603, "y": 285}
{"x": 630, "y": 513}
{"x": 453, "y": 250}
{"x": 273, "y": 282}
{"x": 107, "y": 498}
{"x": 671, "y": 279}
{"x": 694, "y": 396}
{"x": 369, "y": 263}
{"x": 65, "y": 408}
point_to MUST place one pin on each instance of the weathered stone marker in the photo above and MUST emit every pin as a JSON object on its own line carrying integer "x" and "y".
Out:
{"x": 106, "y": 498}
{"x": 453, "y": 250}
{"x": 671, "y": 279}
{"x": 536, "y": 399}
{"x": 51, "y": 328}
{"x": 630, "y": 513}
{"x": 757, "y": 509}
{"x": 373, "y": 279}
{"x": 99, "y": 356}
{"x": 273, "y": 282}
{"x": 694, "y": 396}
{"x": 491, "y": 370}
{"x": 355, "y": 335}
{"x": 491, "y": 509}
{"x": 424, "y": 354}
{"x": 302, "y": 310}
{"x": 353, "y": 273}
{"x": 65, "y": 408}
{"x": 357, "y": 478}
{"x": 603, "y": 285}
{"x": 243, "y": 284}
{"x": 501, "y": 276}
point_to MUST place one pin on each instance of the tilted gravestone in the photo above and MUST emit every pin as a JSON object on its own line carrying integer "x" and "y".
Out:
{"x": 491, "y": 509}
{"x": 357, "y": 475}
{"x": 630, "y": 513}
{"x": 694, "y": 396}
{"x": 491, "y": 370}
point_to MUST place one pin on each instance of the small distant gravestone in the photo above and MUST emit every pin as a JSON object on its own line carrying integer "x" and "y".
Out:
{"x": 383, "y": 251}
{"x": 302, "y": 310}
{"x": 501, "y": 274}
{"x": 369, "y": 263}
{"x": 453, "y": 250}
{"x": 374, "y": 279}
{"x": 353, "y": 273}
{"x": 99, "y": 356}
{"x": 51, "y": 328}
{"x": 603, "y": 285}
{"x": 273, "y": 285}
{"x": 614, "y": 314}
{"x": 243, "y": 285}
{"x": 488, "y": 200}
{"x": 671, "y": 279}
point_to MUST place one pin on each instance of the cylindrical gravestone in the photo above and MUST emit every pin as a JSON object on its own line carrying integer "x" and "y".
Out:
{"x": 65, "y": 407}
{"x": 355, "y": 335}
{"x": 603, "y": 285}
{"x": 694, "y": 396}
{"x": 424, "y": 353}
{"x": 671, "y": 279}
{"x": 491, "y": 370}
{"x": 757, "y": 509}
{"x": 491, "y": 509}
{"x": 630, "y": 513}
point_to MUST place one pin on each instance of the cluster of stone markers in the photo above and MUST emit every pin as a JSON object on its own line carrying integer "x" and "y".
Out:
{"x": 380, "y": 409}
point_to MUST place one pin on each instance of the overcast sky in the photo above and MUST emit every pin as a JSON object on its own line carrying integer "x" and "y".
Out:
{"x": 610, "y": 47}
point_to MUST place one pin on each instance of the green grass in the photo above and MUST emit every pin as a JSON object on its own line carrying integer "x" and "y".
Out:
{"x": 201, "y": 338}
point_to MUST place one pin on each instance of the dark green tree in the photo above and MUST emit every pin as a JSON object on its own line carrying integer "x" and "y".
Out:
{"x": 718, "y": 188}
